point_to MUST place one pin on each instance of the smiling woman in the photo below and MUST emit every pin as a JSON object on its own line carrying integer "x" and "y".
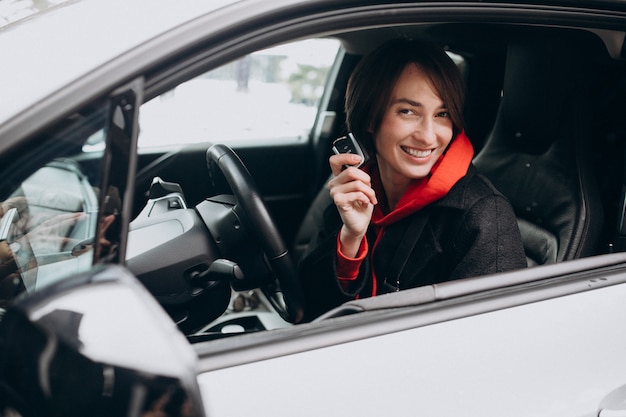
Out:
{"x": 418, "y": 213}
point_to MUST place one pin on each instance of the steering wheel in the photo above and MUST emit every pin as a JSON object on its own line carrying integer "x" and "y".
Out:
{"x": 258, "y": 219}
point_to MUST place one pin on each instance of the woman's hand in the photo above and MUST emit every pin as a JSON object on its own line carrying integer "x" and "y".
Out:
{"x": 351, "y": 190}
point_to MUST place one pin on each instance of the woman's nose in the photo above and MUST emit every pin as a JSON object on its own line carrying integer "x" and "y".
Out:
{"x": 425, "y": 129}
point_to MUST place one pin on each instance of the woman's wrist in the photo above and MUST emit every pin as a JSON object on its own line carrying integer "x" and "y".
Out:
{"x": 350, "y": 243}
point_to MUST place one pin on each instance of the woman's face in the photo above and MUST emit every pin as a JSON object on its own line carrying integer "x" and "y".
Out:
{"x": 415, "y": 130}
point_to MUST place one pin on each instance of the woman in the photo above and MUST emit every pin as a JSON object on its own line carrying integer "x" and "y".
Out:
{"x": 417, "y": 213}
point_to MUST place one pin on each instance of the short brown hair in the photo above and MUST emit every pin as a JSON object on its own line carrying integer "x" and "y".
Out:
{"x": 373, "y": 79}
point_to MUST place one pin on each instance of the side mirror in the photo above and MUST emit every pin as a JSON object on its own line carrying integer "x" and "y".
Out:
{"x": 96, "y": 344}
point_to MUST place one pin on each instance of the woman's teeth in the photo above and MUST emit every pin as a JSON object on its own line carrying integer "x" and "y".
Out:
{"x": 417, "y": 153}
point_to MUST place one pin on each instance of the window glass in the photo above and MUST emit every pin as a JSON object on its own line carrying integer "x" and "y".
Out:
{"x": 270, "y": 95}
{"x": 49, "y": 207}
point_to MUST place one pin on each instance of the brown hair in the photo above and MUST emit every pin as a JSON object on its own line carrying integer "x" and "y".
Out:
{"x": 373, "y": 79}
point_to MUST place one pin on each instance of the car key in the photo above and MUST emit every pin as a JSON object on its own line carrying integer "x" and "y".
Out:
{"x": 349, "y": 144}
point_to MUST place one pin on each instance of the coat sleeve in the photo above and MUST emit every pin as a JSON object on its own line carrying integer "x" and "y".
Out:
{"x": 489, "y": 240}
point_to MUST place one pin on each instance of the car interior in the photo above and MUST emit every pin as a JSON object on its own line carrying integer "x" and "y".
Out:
{"x": 544, "y": 111}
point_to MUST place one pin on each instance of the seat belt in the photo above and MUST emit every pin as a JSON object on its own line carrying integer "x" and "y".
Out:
{"x": 409, "y": 239}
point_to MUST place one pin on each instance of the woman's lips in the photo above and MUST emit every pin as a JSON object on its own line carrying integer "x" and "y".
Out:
{"x": 416, "y": 152}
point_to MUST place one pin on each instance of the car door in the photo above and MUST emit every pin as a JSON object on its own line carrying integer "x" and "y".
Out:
{"x": 542, "y": 349}
{"x": 551, "y": 349}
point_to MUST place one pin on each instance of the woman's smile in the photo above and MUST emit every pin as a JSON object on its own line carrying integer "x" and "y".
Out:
{"x": 417, "y": 153}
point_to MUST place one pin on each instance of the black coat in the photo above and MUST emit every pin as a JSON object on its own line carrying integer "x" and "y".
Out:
{"x": 471, "y": 231}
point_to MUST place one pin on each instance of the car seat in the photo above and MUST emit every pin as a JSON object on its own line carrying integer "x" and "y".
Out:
{"x": 539, "y": 153}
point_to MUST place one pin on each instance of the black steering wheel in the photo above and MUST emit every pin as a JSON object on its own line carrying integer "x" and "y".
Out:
{"x": 258, "y": 219}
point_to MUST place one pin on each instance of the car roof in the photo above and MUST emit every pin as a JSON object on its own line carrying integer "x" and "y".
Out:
{"x": 51, "y": 49}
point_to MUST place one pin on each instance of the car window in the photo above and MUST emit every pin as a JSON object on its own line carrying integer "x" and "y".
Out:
{"x": 269, "y": 95}
{"x": 50, "y": 205}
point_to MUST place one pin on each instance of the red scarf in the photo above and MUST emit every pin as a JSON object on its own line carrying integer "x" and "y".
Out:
{"x": 447, "y": 171}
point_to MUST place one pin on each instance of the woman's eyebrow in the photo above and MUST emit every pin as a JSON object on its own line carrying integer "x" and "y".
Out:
{"x": 414, "y": 103}
{"x": 406, "y": 101}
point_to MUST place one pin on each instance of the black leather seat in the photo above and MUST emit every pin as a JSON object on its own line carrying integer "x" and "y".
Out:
{"x": 311, "y": 223}
{"x": 540, "y": 151}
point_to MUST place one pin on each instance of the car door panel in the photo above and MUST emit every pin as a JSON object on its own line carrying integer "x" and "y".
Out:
{"x": 554, "y": 357}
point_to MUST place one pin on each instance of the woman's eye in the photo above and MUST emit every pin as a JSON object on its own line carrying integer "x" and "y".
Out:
{"x": 407, "y": 111}
{"x": 443, "y": 114}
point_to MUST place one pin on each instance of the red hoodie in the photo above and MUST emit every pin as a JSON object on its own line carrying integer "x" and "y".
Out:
{"x": 449, "y": 169}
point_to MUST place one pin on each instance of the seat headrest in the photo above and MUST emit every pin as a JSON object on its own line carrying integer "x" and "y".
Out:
{"x": 543, "y": 72}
